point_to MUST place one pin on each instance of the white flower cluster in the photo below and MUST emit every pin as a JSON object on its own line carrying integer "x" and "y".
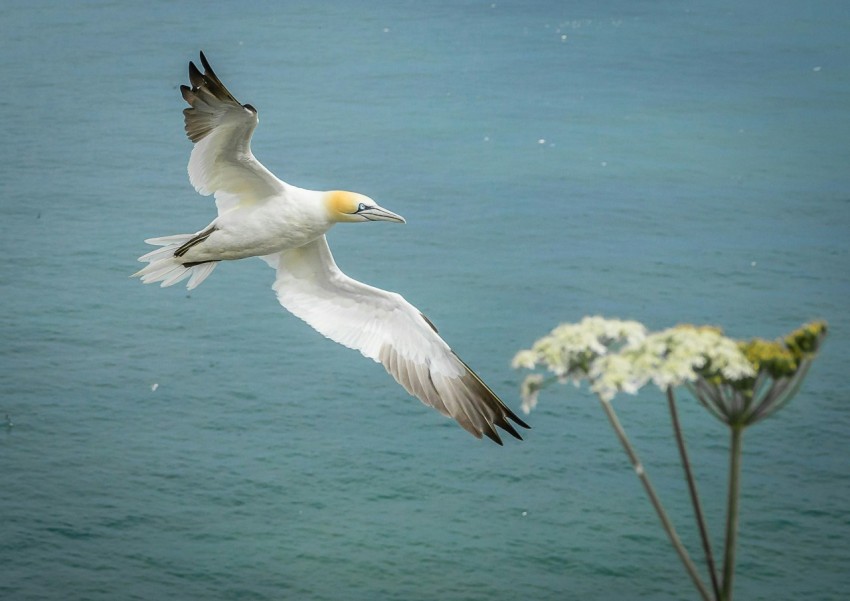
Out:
{"x": 620, "y": 356}
{"x": 570, "y": 348}
{"x": 668, "y": 359}
{"x": 570, "y": 351}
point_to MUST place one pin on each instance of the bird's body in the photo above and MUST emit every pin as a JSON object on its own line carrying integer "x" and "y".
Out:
{"x": 261, "y": 216}
{"x": 289, "y": 219}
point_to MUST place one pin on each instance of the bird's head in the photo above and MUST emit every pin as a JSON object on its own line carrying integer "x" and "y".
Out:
{"x": 353, "y": 207}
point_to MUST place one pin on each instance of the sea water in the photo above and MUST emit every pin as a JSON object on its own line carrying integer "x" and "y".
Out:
{"x": 666, "y": 162}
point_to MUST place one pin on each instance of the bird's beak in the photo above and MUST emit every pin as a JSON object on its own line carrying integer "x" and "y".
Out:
{"x": 377, "y": 213}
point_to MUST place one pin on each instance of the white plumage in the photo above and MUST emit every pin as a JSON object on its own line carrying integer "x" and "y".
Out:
{"x": 261, "y": 216}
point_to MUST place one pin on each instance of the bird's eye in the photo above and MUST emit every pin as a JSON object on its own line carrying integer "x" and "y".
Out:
{"x": 361, "y": 207}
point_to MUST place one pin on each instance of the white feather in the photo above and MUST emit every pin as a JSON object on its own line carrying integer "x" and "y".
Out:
{"x": 384, "y": 327}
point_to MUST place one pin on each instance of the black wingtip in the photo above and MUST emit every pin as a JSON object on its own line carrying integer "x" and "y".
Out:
{"x": 204, "y": 62}
{"x": 507, "y": 427}
{"x": 514, "y": 418}
{"x": 195, "y": 76}
{"x": 518, "y": 421}
{"x": 494, "y": 436}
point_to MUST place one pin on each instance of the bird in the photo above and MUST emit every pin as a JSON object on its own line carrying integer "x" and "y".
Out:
{"x": 259, "y": 215}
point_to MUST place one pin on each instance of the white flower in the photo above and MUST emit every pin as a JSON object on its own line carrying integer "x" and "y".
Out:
{"x": 569, "y": 349}
{"x": 619, "y": 356}
{"x": 681, "y": 354}
{"x": 615, "y": 373}
{"x": 530, "y": 390}
{"x": 526, "y": 359}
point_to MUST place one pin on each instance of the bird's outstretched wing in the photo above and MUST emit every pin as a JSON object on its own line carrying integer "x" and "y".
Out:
{"x": 386, "y": 328}
{"x": 221, "y": 128}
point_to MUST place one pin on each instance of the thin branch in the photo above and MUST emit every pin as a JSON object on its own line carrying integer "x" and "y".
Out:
{"x": 759, "y": 392}
{"x": 730, "y": 401}
{"x": 759, "y": 385}
{"x": 656, "y": 502}
{"x": 774, "y": 392}
{"x": 790, "y": 391}
{"x": 709, "y": 399}
{"x": 692, "y": 488}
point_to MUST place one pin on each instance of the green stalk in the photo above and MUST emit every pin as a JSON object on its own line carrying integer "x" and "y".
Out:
{"x": 692, "y": 488}
{"x": 732, "y": 509}
{"x": 656, "y": 502}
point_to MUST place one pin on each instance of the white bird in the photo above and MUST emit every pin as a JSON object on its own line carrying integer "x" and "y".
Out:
{"x": 261, "y": 216}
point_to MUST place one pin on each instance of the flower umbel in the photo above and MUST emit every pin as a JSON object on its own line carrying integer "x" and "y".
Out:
{"x": 570, "y": 350}
{"x": 734, "y": 380}
{"x": 779, "y": 368}
{"x": 620, "y": 356}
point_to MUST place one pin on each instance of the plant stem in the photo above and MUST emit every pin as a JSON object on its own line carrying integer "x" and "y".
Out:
{"x": 692, "y": 488}
{"x": 656, "y": 502}
{"x": 732, "y": 509}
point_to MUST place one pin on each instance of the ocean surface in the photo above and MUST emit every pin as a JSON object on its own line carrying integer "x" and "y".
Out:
{"x": 661, "y": 161}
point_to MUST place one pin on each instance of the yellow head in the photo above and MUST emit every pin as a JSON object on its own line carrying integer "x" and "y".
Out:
{"x": 353, "y": 207}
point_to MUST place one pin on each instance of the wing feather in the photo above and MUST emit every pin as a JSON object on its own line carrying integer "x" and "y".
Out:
{"x": 389, "y": 330}
{"x": 221, "y": 128}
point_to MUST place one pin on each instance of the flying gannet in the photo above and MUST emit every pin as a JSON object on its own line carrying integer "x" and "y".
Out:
{"x": 261, "y": 216}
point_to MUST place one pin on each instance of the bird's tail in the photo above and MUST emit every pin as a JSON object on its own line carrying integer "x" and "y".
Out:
{"x": 163, "y": 266}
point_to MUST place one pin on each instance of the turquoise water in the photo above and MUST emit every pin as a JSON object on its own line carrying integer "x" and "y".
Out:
{"x": 665, "y": 162}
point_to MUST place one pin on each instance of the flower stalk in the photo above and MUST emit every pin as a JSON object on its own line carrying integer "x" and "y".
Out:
{"x": 692, "y": 490}
{"x": 733, "y": 498}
